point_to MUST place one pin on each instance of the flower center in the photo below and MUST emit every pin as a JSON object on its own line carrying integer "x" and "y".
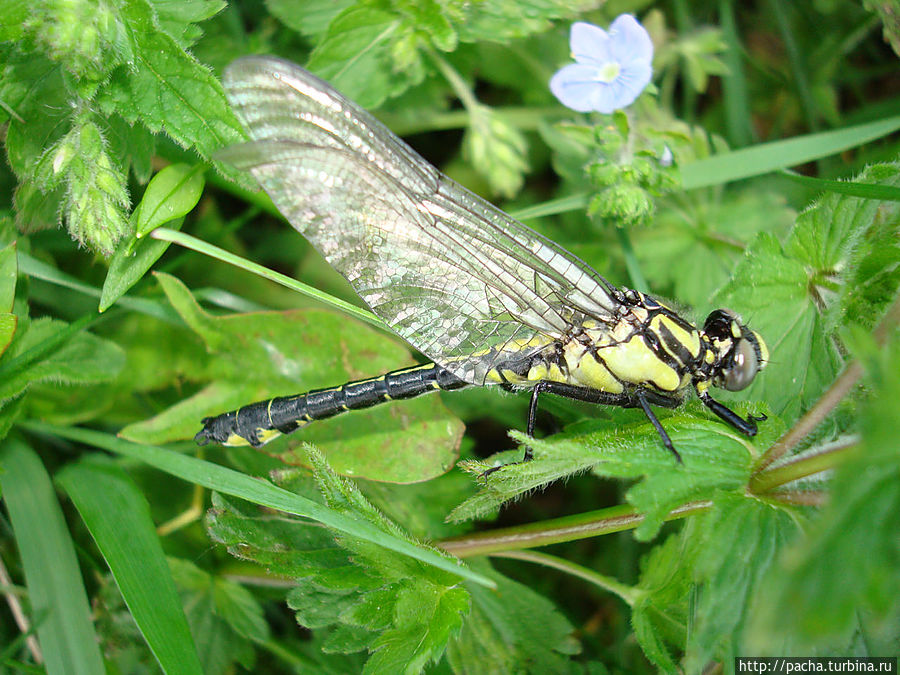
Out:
{"x": 608, "y": 72}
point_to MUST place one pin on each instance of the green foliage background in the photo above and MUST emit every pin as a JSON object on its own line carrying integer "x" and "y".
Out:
{"x": 125, "y": 548}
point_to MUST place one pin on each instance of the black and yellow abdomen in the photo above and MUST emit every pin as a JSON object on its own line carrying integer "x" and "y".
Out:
{"x": 258, "y": 423}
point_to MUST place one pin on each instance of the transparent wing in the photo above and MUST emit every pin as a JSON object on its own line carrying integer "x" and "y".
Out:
{"x": 457, "y": 278}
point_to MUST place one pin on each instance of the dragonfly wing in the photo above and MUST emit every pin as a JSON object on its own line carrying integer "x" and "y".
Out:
{"x": 451, "y": 274}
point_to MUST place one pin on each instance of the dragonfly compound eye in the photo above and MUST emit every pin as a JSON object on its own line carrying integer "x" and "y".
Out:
{"x": 744, "y": 366}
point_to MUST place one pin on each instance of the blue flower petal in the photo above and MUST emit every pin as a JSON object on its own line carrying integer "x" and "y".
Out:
{"x": 611, "y": 70}
{"x": 634, "y": 77}
{"x": 629, "y": 41}
{"x": 589, "y": 44}
{"x": 575, "y": 86}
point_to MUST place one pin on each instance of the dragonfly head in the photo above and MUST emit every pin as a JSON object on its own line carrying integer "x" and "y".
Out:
{"x": 740, "y": 352}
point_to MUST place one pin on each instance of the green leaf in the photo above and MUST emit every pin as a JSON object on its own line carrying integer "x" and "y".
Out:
{"x": 367, "y": 597}
{"x": 8, "y": 324}
{"x": 59, "y": 605}
{"x": 355, "y": 56}
{"x": 792, "y": 295}
{"x": 110, "y": 504}
{"x": 307, "y": 17}
{"x": 8, "y": 274}
{"x": 695, "y": 252}
{"x": 257, "y": 491}
{"x": 771, "y": 291}
{"x": 168, "y": 89}
{"x": 510, "y": 630}
{"x": 172, "y": 193}
{"x": 10, "y": 411}
{"x": 715, "y": 457}
{"x": 846, "y": 569}
{"x": 737, "y": 544}
{"x": 659, "y": 615}
{"x": 176, "y": 17}
{"x": 504, "y": 20}
{"x": 33, "y": 87}
{"x": 224, "y": 618}
{"x": 129, "y": 264}
{"x": 418, "y": 610}
{"x": 47, "y": 351}
{"x": 9, "y": 270}
{"x": 264, "y": 354}
{"x": 12, "y": 20}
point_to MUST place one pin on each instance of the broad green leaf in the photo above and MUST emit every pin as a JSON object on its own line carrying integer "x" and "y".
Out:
{"x": 771, "y": 292}
{"x": 400, "y": 610}
{"x": 134, "y": 145}
{"x": 845, "y": 570}
{"x": 512, "y": 629}
{"x": 129, "y": 264}
{"x": 258, "y": 491}
{"x": 847, "y": 243}
{"x": 355, "y": 56}
{"x": 660, "y": 614}
{"x": 503, "y": 20}
{"x": 266, "y": 354}
{"x": 8, "y": 323}
{"x": 168, "y": 89}
{"x": 13, "y": 14}
{"x": 56, "y": 595}
{"x": 305, "y": 17}
{"x": 737, "y": 544}
{"x": 64, "y": 359}
{"x": 32, "y": 86}
{"x": 792, "y": 295}
{"x": 176, "y": 17}
{"x": 826, "y": 233}
{"x": 694, "y": 252}
{"x": 110, "y": 504}
{"x": 219, "y": 612}
{"x": 715, "y": 457}
{"x": 10, "y": 411}
{"x": 171, "y": 194}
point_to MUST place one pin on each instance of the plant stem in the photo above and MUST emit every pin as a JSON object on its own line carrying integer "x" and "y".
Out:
{"x": 557, "y": 530}
{"x": 628, "y": 593}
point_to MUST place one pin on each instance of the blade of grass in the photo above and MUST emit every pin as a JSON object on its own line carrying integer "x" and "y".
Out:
{"x": 109, "y": 504}
{"x": 251, "y": 489}
{"x": 55, "y": 587}
{"x": 768, "y": 157}
{"x": 165, "y": 234}
{"x": 864, "y": 190}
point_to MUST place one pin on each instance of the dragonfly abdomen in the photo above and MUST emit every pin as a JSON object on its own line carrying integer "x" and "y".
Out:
{"x": 258, "y": 423}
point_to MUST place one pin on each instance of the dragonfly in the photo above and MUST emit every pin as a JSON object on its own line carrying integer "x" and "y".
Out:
{"x": 488, "y": 300}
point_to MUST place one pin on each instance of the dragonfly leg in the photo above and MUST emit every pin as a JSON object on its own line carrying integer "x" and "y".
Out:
{"x": 663, "y": 434}
{"x": 640, "y": 398}
{"x": 745, "y": 426}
